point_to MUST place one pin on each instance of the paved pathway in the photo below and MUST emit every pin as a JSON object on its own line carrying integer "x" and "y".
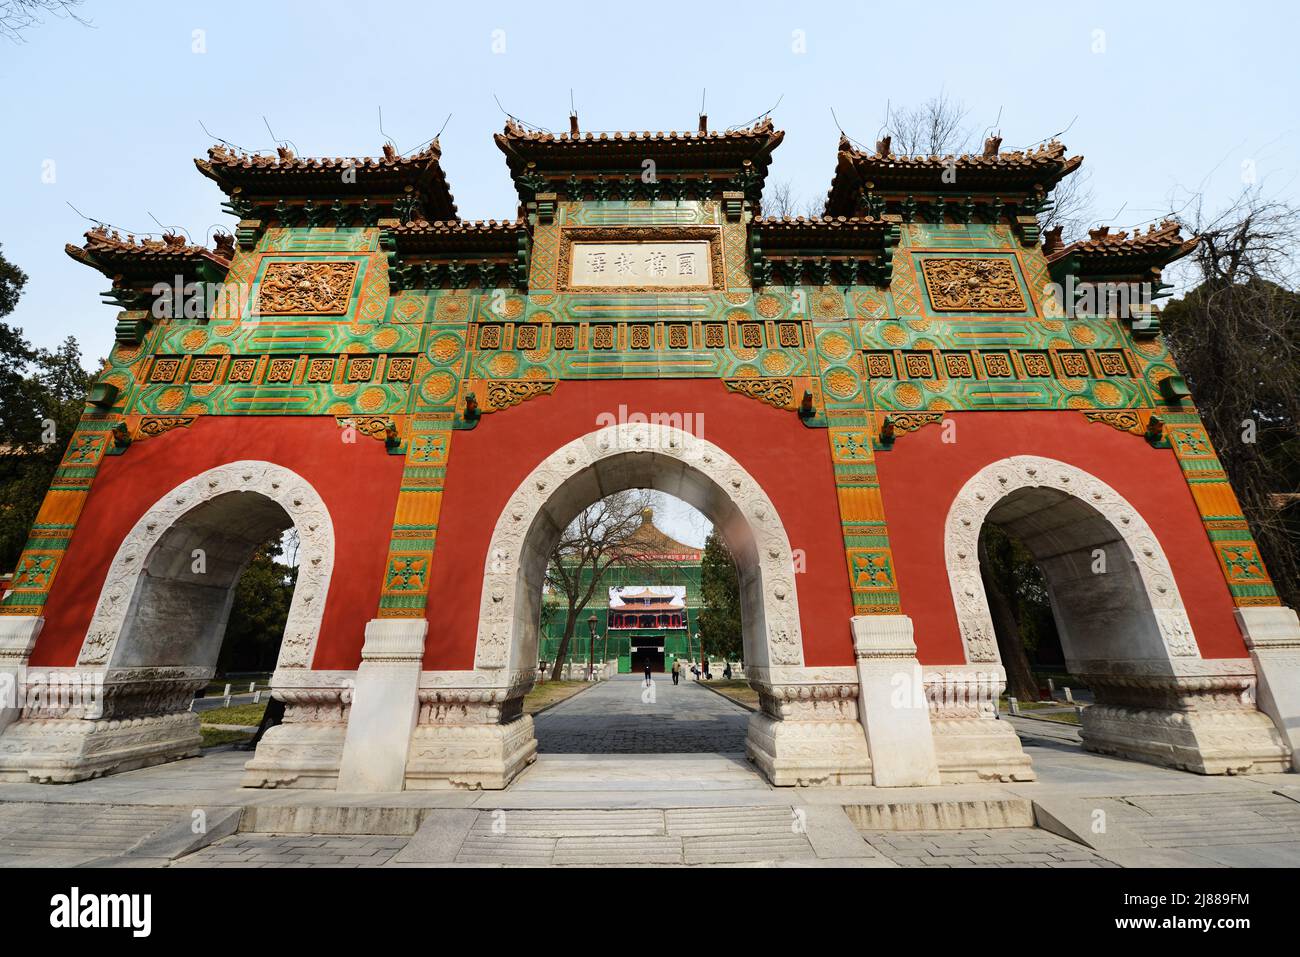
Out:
{"x": 658, "y": 781}
{"x": 1002, "y": 847}
{"x": 622, "y": 716}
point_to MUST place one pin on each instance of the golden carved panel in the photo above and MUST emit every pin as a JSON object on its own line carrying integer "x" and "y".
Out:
{"x": 972, "y": 285}
{"x": 306, "y": 289}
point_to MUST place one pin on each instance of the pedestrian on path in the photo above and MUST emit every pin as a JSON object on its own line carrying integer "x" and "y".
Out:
{"x": 647, "y": 674}
{"x": 677, "y": 670}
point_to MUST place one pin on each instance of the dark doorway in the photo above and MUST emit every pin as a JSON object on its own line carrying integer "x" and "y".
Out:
{"x": 647, "y": 650}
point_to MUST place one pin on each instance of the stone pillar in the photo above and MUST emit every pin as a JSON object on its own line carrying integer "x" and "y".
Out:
{"x": 17, "y": 639}
{"x": 892, "y": 704}
{"x": 384, "y": 706}
{"x": 1273, "y": 636}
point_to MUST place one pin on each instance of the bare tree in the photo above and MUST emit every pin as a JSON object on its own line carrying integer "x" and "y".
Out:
{"x": 935, "y": 128}
{"x": 780, "y": 200}
{"x": 604, "y": 534}
{"x": 1236, "y": 338}
{"x": 16, "y": 16}
{"x": 1072, "y": 206}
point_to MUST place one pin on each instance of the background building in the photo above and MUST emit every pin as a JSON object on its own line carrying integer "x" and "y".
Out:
{"x": 664, "y": 593}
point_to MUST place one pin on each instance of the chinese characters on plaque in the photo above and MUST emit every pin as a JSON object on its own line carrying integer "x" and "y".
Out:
{"x": 682, "y": 264}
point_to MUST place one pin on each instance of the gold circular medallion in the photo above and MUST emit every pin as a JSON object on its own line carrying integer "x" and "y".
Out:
{"x": 834, "y": 345}
{"x": 908, "y": 394}
{"x": 842, "y": 382}
{"x": 1107, "y": 393}
{"x": 776, "y": 362}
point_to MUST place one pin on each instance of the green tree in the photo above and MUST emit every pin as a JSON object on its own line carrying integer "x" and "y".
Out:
{"x": 1018, "y": 604}
{"x": 259, "y": 611}
{"x": 720, "y": 623}
{"x": 42, "y": 394}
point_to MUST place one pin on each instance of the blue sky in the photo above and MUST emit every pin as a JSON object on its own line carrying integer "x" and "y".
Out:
{"x": 1180, "y": 96}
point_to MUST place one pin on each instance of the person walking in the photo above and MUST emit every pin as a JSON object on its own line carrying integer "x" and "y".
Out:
{"x": 677, "y": 669}
{"x": 647, "y": 674}
{"x": 726, "y": 672}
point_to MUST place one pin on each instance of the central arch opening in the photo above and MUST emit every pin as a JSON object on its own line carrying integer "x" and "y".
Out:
{"x": 589, "y": 470}
{"x": 640, "y": 595}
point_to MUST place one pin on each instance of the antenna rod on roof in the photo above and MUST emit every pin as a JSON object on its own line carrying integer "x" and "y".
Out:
{"x": 278, "y": 141}
{"x": 164, "y": 228}
{"x": 767, "y": 112}
{"x": 100, "y": 222}
{"x": 387, "y": 138}
{"x": 704, "y": 117}
{"x": 211, "y": 135}
{"x": 985, "y": 135}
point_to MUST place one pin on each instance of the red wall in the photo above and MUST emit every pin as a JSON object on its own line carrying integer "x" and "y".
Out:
{"x": 358, "y": 483}
{"x": 791, "y": 463}
{"x": 921, "y": 476}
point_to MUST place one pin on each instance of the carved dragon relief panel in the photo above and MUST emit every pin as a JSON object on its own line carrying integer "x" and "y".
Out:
{"x": 306, "y": 288}
{"x": 972, "y": 285}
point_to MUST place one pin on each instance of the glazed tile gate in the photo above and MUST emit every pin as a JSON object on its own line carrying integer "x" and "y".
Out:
{"x": 849, "y": 399}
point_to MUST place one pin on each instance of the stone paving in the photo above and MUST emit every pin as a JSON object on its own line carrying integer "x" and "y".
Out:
{"x": 1003, "y": 847}
{"x": 622, "y": 716}
{"x": 300, "y": 850}
{"x": 662, "y": 781}
{"x": 66, "y": 835}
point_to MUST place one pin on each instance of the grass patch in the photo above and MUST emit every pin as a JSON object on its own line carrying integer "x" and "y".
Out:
{"x": 1066, "y": 717}
{"x": 550, "y": 693}
{"x": 736, "y": 689}
{"x": 213, "y": 737}
{"x": 235, "y": 714}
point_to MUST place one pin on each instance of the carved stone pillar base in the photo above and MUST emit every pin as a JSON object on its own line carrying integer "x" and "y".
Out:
{"x": 17, "y": 639}
{"x": 1205, "y": 723}
{"x": 63, "y": 750}
{"x": 1273, "y": 636}
{"x": 304, "y": 751}
{"x": 807, "y": 733}
{"x": 79, "y": 723}
{"x": 469, "y": 733}
{"x": 970, "y": 743}
{"x": 975, "y": 748}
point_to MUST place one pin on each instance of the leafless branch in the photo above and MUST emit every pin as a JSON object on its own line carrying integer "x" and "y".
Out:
{"x": 18, "y": 16}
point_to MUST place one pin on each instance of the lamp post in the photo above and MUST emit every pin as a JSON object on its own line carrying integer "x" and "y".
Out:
{"x": 591, "y": 647}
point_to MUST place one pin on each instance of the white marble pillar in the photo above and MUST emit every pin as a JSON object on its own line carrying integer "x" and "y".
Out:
{"x": 18, "y": 635}
{"x": 1272, "y": 634}
{"x": 892, "y": 704}
{"x": 385, "y": 705}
